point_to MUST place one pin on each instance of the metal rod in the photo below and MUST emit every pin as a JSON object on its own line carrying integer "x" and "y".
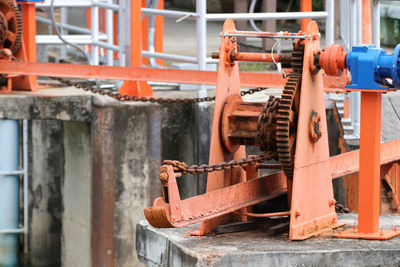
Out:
{"x": 107, "y": 46}
{"x": 69, "y": 3}
{"x": 109, "y": 5}
{"x": 65, "y": 26}
{"x": 12, "y": 231}
{"x": 77, "y": 39}
{"x": 95, "y": 32}
{"x": 110, "y": 34}
{"x": 63, "y": 31}
{"x": 169, "y": 56}
{"x": 257, "y": 57}
{"x": 19, "y": 172}
{"x": 262, "y": 16}
{"x": 330, "y": 24}
{"x": 265, "y": 215}
{"x": 376, "y": 23}
{"x": 264, "y": 36}
{"x": 169, "y": 13}
{"x": 26, "y": 181}
{"x": 201, "y": 28}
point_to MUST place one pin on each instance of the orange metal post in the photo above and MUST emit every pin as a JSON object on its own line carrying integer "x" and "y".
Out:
{"x": 145, "y": 35}
{"x": 159, "y": 38}
{"x": 305, "y": 6}
{"x": 129, "y": 87}
{"x": 369, "y": 185}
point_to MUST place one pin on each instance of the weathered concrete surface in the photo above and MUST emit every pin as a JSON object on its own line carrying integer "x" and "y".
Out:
{"x": 390, "y": 117}
{"x": 45, "y": 198}
{"x": 76, "y": 189}
{"x": 171, "y": 247}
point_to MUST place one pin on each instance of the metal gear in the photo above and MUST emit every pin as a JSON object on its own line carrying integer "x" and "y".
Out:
{"x": 10, "y": 26}
{"x": 287, "y": 114}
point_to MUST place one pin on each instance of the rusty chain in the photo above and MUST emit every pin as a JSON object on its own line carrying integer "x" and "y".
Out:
{"x": 341, "y": 209}
{"x": 265, "y": 130}
{"x": 182, "y": 167}
{"x": 121, "y": 97}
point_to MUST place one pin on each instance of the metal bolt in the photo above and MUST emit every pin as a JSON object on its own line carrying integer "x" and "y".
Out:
{"x": 297, "y": 213}
{"x": 332, "y": 202}
{"x": 109, "y": 252}
{"x": 163, "y": 177}
{"x": 176, "y": 206}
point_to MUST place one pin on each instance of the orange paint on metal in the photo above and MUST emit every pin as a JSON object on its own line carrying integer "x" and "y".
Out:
{"x": 27, "y": 52}
{"x": 305, "y": 6}
{"x": 366, "y": 22}
{"x": 312, "y": 183}
{"x": 257, "y": 57}
{"x": 333, "y": 60}
{"x": 247, "y": 79}
{"x": 172, "y": 211}
{"x": 228, "y": 84}
{"x": 159, "y": 33}
{"x": 136, "y": 88}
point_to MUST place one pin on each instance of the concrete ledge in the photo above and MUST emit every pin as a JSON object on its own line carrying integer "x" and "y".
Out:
{"x": 170, "y": 247}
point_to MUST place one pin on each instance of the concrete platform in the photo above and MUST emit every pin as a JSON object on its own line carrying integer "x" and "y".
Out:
{"x": 171, "y": 247}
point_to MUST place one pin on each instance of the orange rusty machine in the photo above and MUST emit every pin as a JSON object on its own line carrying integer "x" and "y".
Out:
{"x": 293, "y": 130}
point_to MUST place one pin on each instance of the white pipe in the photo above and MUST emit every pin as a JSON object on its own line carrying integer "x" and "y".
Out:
{"x": 63, "y": 31}
{"x": 169, "y": 57}
{"x": 95, "y": 32}
{"x": 376, "y": 23}
{"x": 330, "y": 22}
{"x": 169, "y": 13}
{"x": 26, "y": 181}
{"x": 263, "y": 16}
{"x": 9, "y": 192}
{"x": 201, "y": 26}
{"x": 110, "y": 34}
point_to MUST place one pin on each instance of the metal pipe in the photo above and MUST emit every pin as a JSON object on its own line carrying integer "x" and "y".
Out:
{"x": 264, "y": 36}
{"x": 107, "y": 46}
{"x": 11, "y": 231}
{"x": 9, "y": 192}
{"x": 201, "y": 28}
{"x": 19, "y": 172}
{"x": 76, "y": 39}
{"x": 110, "y": 34}
{"x": 376, "y": 23}
{"x": 257, "y": 57}
{"x": 109, "y": 5}
{"x": 69, "y": 3}
{"x": 152, "y": 36}
{"x": 95, "y": 32}
{"x": 330, "y": 22}
{"x": 169, "y": 13}
{"x": 26, "y": 181}
{"x": 63, "y": 31}
{"x": 262, "y": 16}
{"x": 251, "y": 11}
{"x": 122, "y": 27}
{"x": 65, "y": 26}
{"x": 169, "y": 57}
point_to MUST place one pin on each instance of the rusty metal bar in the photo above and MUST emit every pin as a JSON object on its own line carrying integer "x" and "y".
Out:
{"x": 103, "y": 246}
{"x": 257, "y": 57}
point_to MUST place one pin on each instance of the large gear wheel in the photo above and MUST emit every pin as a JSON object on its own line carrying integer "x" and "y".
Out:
{"x": 10, "y": 26}
{"x": 287, "y": 114}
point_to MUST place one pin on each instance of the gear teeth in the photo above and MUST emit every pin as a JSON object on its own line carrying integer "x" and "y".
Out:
{"x": 291, "y": 89}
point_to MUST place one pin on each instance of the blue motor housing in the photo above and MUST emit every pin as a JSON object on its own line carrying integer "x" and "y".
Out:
{"x": 372, "y": 68}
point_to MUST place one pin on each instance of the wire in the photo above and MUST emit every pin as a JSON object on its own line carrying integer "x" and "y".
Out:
{"x": 251, "y": 10}
{"x": 53, "y": 22}
{"x": 278, "y": 65}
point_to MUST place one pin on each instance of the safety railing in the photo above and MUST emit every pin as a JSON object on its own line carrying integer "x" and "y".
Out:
{"x": 351, "y": 34}
{"x": 24, "y": 172}
{"x": 93, "y": 37}
{"x": 202, "y": 17}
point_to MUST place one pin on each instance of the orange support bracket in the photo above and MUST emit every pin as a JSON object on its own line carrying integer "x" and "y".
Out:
{"x": 136, "y": 88}
{"x": 369, "y": 175}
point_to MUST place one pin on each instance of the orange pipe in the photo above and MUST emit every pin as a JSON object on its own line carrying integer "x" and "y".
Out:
{"x": 257, "y": 57}
{"x": 305, "y": 6}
